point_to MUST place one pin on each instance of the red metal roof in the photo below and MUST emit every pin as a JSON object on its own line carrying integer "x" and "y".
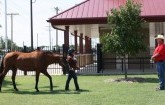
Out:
{"x": 95, "y": 11}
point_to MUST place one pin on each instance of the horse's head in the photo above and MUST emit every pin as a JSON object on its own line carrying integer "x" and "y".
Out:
{"x": 56, "y": 58}
{"x": 63, "y": 62}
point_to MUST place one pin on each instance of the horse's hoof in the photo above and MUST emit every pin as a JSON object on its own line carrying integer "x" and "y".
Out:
{"x": 51, "y": 89}
{"x": 37, "y": 91}
{"x": 16, "y": 89}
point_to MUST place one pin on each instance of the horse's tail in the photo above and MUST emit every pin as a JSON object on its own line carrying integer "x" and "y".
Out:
{"x": 2, "y": 66}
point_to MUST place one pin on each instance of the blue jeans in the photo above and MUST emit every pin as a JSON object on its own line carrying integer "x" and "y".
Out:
{"x": 160, "y": 66}
{"x": 71, "y": 75}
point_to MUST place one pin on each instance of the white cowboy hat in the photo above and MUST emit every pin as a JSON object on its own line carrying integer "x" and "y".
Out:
{"x": 159, "y": 37}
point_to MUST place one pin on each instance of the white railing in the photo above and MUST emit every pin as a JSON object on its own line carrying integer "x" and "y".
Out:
{"x": 51, "y": 70}
{"x": 85, "y": 62}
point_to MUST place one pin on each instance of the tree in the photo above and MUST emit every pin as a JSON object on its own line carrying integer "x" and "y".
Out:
{"x": 2, "y": 44}
{"x": 126, "y": 37}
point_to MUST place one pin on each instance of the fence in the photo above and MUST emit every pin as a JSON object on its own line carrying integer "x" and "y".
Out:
{"x": 86, "y": 66}
{"x": 132, "y": 63}
{"x": 86, "y": 62}
{"x": 52, "y": 69}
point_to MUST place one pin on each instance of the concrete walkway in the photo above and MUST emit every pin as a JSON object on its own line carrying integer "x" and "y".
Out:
{"x": 133, "y": 71}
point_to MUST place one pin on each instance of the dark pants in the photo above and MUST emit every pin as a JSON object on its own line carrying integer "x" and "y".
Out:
{"x": 161, "y": 73}
{"x": 71, "y": 75}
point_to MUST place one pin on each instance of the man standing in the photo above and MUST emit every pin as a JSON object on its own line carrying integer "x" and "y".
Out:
{"x": 159, "y": 58}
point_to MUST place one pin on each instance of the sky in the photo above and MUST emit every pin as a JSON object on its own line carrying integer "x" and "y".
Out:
{"x": 42, "y": 11}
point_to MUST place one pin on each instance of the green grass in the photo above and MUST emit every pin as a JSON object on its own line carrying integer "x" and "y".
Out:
{"x": 96, "y": 90}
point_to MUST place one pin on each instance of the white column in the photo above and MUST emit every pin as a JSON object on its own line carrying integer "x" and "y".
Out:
{"x": 152, "y": 34}
{"x": 118, "y": 64}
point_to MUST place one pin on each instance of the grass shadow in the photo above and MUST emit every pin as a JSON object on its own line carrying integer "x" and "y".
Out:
{"x": 137, "y": 79}
{"x": 46, "y": 86}
{"x": 6, "y": 83}
{"x": 71, "y": 91}
{"x": 54, "y": 92}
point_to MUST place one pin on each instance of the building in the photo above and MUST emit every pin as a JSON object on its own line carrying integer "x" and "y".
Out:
{"x": 88, "y": 20}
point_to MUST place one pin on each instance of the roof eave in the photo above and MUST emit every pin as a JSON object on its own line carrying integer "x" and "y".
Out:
{"x": 76, "y": 21}
{"x": 156, "y": 18}
{"x": 98, "y": 20}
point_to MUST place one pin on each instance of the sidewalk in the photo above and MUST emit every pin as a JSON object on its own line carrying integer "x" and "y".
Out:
{"x": 129, "y": 71}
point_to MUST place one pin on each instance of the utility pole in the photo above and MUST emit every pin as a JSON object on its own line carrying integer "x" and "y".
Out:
{"x": 6, "y": 26}
{"x": 57, "y": 9}
{"x": 11, "y": 15}
{"x": 37, "y": 39}
{"x": 31, "y": 18}
{"x": 50, "y": 36}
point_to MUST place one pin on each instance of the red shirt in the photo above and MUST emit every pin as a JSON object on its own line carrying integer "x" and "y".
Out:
{"x": 160, "y": 49}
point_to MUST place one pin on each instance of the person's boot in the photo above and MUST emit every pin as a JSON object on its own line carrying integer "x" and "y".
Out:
{"x": 161, "y": 88}
{"x": 66, "y": 87}
{"x": 76, "y": 85}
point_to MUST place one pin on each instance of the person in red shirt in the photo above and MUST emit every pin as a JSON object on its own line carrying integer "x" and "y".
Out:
{"x": 159, "y": 58}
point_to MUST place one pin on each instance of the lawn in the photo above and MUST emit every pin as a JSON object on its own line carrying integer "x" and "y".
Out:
{"x": 96, "y": 90}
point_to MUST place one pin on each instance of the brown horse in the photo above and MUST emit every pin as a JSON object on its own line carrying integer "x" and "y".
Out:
{"x": 37, "y": 61}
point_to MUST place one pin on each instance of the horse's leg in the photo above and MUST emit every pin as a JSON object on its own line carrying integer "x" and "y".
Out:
{"x": 1, "y": 80}
{"x": 13, "y": 78}
{"x": 37, "y": 79}
{"x": 2, "y": 76}
{"x": 50, "y": 79}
